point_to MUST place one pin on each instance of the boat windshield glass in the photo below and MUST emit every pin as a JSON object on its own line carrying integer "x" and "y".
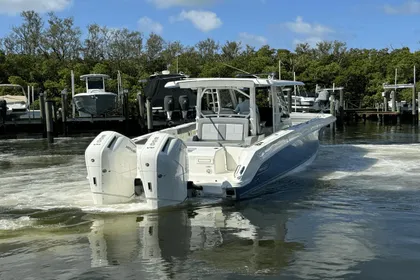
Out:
{"x": 224, "y": 101}
{"x": 11, "y": 91}
{"x": 309, "y": 94}
{"x": 95, "y": 84}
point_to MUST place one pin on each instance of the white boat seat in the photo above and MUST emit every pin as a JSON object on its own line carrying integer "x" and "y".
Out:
{"x": 228, "y": 129}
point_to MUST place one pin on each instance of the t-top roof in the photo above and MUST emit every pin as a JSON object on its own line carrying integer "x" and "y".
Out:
{"x": 230, "y": 82}
{"x": 94, "y": 76}
{"x": 11, "y": 85}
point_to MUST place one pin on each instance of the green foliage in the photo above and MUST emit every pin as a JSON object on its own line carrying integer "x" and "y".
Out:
{"x": 43, "y": 56}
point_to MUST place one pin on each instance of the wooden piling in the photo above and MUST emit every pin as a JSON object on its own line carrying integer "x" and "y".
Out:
{"x": 43, "y": 115}
{"x": 126, "y": 111}
{"x": 54, "y": 112}
{"x": 140, "y": 100}
{"x": 413, "y": 104}
{"x": 149, "y": 115}
{"x": 332, "y": 112}
{"x": 49, "y": 120}
{"x": 341, "y": 108}
{"x": 64, "y": 111}
{"x": 385, "y": 104}
{"x": 394, "y": 100}
{"x": 289, "y": 101}
{"x": 418, "y": 105}
{"x": 125, "y": 103}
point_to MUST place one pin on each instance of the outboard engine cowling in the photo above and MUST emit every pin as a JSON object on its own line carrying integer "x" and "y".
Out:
{"x": 184, "y": 103}
{"x": 111, "y": 161}
{"x": 168, "y": 106}
{"x": 163, "y": 168}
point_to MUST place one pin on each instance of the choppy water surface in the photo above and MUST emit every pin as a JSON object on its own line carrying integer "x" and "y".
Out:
{"x": 353, "y": 214}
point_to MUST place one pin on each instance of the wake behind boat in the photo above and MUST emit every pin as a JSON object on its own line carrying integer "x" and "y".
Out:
{"x": 233, "y": 150}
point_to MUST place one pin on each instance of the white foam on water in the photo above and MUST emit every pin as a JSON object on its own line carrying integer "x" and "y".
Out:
{"x": 393, "y": 167}
{"x": 59, "y": 181}
{"x": 15, "y": 224}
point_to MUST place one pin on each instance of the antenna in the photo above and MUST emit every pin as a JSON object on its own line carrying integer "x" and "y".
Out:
{"x": 225, "y": 64}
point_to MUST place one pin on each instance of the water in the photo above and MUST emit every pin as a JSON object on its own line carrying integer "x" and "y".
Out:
{"x": 353, "y": 214}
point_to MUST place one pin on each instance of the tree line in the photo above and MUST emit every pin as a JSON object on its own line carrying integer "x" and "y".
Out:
{"x": 42, "y": 53}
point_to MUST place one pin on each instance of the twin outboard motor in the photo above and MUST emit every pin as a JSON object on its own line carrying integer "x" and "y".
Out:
{"x": 184, "y": 103}
{"x": 111, "y": 161}
{"x": 116, "y": 168}
{"x": 3, "y": 110}
{"x": 163, "y": 169}
{"x": 168, "y": 106}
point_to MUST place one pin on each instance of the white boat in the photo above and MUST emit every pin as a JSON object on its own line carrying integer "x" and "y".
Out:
{"x": 223, "y": 153}
{"x": 304, "y": 102}
{"x": 317, "y": 101}
{"x": 96, "y": 100}
{"x": 16, "y": 103}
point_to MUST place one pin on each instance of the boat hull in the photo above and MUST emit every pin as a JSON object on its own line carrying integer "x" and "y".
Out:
{"x": 290, "y": 159}
{"x": 94, "y": 104}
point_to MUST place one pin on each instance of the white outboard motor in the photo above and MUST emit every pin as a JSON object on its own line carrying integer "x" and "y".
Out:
{"x": 111, "y": 161}
{"x": 163, "y": 169}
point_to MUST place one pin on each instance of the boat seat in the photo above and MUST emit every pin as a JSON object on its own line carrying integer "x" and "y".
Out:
{"x": 228, "y": 129}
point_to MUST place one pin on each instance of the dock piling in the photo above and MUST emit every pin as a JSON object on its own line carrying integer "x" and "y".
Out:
{"x": 49, "y": 120}
{"x": 341, "y": 108}
{"x": 42, "y": 108}
{"x": 64, "y": 111}
{"x": 140, "y": 100}
{"x": 289, "y": 101}
{"x": 418, "y": 105}
{"x": 332, "y": 111}
{"x": 149, "y": 115}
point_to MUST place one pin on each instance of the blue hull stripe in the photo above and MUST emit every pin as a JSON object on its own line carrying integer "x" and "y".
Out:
{"x": 280, "y": 164}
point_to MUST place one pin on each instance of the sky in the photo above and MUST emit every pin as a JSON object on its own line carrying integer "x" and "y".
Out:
{"x": 278, "y": 23}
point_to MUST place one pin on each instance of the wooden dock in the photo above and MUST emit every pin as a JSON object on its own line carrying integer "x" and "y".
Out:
{"x": 355, "y": 114}
{"x": 370, "y": 111}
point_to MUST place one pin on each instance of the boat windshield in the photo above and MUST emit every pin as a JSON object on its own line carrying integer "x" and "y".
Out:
{"x": 309, "y": 94}
{"x": 11, "y": 91}
{"x": 225, "y": 102}
{"x": 95, "y": 84}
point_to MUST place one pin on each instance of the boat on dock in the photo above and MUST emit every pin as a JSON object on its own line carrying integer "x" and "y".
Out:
{"x": 15, "y": 102}
{"x": 96, "y": 101}
{"x": 233, "y": 150}
{"x": 169, "y": 106}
